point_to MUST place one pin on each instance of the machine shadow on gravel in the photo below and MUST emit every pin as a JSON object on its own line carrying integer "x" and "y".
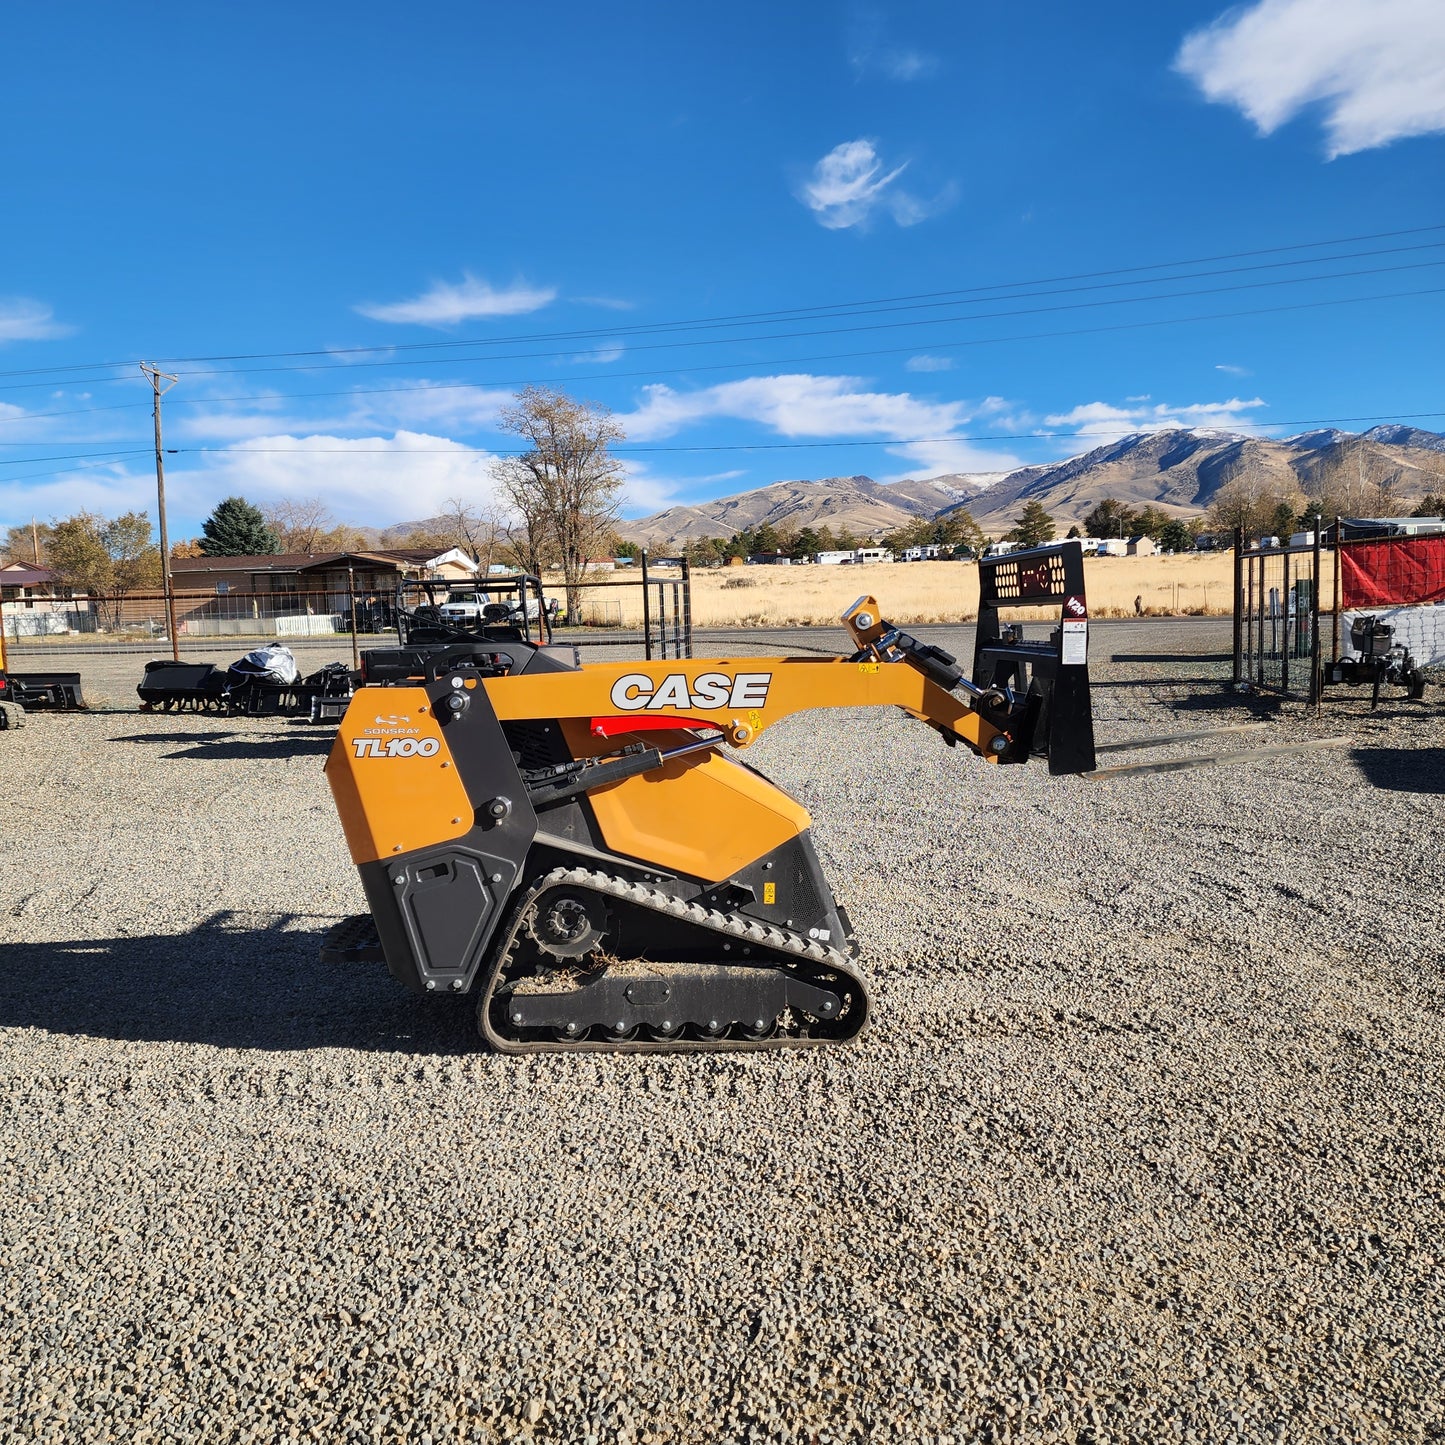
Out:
{"x": 236, "y": 982}
{"x": 1402, "y": 770}
{"x": 240, "y": 746}
{"x": 1218, "y": 699}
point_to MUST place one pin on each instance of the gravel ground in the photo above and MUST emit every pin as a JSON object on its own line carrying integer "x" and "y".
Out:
{"x": 1144, "y": 1144}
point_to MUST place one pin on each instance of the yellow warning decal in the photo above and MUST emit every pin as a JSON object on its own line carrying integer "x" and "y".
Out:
{"x": 868, "y": 667}
{"x": 770, "y": 892}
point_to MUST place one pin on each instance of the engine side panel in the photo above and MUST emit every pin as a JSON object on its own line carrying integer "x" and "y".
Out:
{"x": 701, "y": 815}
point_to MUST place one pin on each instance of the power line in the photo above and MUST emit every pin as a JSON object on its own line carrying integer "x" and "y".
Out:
{"x": 66, "y": 456}
{"x": 931, "y": 321}
{"x": 783, "y": 315}
{"x": 113, "y": 458}
{"x": 642, "y": 449}
{"x": 857, "y": 355}
{"x": 848, "y": 330}
{"x": 77, "y": 411}
{"x": 830, "y": 311}
{"x": 477, "y": 455}
{"x": 836, "y": 355}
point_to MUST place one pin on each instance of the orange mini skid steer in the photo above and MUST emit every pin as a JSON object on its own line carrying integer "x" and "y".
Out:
{"x": 575, "y": 845}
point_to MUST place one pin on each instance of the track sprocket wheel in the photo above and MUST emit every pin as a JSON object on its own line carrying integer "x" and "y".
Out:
{"x": 569, "y": 923}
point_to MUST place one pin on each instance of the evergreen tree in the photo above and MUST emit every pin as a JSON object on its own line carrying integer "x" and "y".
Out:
{"x": 1149, "y": 521}
{"x": 1033, "y": 526}
{"x": 1110, "y": 518}
{"x": 1176, "y": 537}
{"x": 237, "y": 529}
{"x": 807, "y": 545}
{"x": 959, "y": 530}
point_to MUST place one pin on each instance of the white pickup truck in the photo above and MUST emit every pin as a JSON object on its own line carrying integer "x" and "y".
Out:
{"x": 479, "y": 607}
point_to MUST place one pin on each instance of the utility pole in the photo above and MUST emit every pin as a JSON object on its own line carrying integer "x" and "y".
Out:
{"x": 34, "y": 542}
{"x": 155, "y": 377}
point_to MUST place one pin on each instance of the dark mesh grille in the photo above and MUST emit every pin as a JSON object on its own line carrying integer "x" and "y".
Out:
{"x": 806, "y": 902}
{"x": 536, "y": 744}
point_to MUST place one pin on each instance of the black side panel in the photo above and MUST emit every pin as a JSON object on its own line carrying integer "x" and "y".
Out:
{"x": 436, "y": 908}
{"x": 435, "y": 912}
{"x": 788, "y": 888}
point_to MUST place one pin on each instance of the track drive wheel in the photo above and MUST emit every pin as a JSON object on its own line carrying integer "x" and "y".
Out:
{"x": 569, "y": 923}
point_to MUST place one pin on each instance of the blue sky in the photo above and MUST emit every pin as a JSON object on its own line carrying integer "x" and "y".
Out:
{"x": 620, "y": 201}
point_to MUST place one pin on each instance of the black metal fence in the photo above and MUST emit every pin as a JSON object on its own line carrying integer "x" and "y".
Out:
{"x": 1277, "y": 645}
{"x": 666, "y": 606}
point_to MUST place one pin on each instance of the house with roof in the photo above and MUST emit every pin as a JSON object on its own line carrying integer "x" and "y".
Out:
{"x": 287, "y": 573}
{"x": 303, "y": 592}
{"x": 36, "y": 603}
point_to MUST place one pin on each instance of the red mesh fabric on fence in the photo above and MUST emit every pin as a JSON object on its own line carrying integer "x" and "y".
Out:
{"x": 1398, "y": 572}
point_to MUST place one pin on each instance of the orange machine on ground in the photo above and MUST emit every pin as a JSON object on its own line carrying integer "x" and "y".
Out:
{"x": 580, "y": 848}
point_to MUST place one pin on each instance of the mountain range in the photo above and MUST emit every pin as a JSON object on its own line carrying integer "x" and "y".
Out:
{"x": 1178, "y": 470}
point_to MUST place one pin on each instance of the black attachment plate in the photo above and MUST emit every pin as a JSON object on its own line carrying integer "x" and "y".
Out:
{"x": 1051, "y": 676}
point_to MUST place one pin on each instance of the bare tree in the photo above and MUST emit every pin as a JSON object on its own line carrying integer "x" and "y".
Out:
{"x": 28, "y": 543}
{"x": 476, "y": 530}
{"x": 300, "y": 525}
{"x": 1253, "y": 499}
{"x": 527, "y": 541}
{"x": 564, "y": 488}
{"x": 1359, "y": 481}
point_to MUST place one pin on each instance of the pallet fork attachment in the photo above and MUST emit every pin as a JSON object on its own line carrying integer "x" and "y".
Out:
{"x": 1051, "y": 676}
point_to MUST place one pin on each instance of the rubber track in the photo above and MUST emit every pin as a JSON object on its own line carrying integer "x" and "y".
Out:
{"x": 748, "y": 931}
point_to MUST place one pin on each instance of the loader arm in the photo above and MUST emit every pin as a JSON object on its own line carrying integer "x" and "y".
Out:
{"x": 740, "y": 696}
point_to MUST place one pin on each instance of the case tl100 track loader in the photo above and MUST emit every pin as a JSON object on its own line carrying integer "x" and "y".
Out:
{"x": 575, "y": 846}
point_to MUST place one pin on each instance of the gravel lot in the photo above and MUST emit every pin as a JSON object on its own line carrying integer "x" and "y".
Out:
{"x": 1144, "y": 1144}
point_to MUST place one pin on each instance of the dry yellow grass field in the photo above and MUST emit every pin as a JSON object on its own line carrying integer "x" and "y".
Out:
{"x": 1197, "y": 585}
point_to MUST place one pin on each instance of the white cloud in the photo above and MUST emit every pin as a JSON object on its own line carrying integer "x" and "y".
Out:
{"x": 424, "y": 404}
{"x": 114, "y": 487}
{"x": 1230, "y": 369}
{"x": 1375, "y": 67}
{"x": 849, "y": 185}
{"x": 376, "y": 478}
{"x": 870, "y": 51}
{"x": 930, "y": 363}
{"x": 643, "y": 493}
{"x": 602, "y": 356}
{"x": 895, "y": 62}
{"x": 607, "y": 303}
{"x": 470, "y": 300}
{"x": 802, "y": 405}
{"x": 1102, "y": 421}
{"x": 373, "y": 479}
{"x": 797, "y": 405}
{"x": 24, "y": 320}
